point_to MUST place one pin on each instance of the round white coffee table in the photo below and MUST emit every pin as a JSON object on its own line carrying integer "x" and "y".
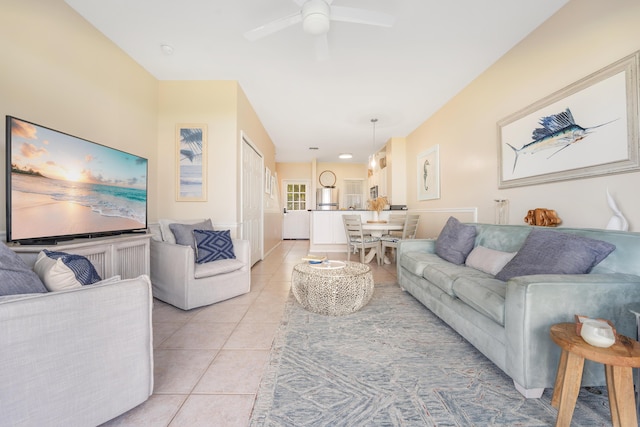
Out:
{"x": 332, "y": 289}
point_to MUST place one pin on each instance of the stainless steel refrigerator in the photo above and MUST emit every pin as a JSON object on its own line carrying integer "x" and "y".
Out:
{"x": 327, "y": 199}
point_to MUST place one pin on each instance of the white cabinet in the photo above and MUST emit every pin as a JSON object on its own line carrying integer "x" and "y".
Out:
{"x": 127, "y": 255}
{"x": 327, "y": 229}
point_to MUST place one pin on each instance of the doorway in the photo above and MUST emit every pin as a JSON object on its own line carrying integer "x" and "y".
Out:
{"x": 252, "y": 192}
{"x": 296, "y": 218}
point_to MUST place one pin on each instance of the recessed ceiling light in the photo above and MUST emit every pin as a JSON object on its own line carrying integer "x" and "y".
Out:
{"x": 166, "y": 49}
{"x": 345, "y": 156}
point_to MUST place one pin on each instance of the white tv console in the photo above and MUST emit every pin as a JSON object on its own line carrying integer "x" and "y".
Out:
{"x": 126, "y": 255}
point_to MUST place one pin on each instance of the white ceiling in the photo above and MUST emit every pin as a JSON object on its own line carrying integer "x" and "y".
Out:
{"x": 399, "y": 75}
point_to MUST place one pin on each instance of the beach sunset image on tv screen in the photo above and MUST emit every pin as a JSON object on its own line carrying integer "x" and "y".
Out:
{"x": 59, "y": 185}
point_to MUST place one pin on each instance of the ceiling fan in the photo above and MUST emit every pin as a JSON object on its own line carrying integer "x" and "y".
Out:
{"x": 316, "y": 16}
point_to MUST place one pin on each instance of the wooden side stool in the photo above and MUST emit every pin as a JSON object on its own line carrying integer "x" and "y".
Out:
{"x": 618, "y": 360}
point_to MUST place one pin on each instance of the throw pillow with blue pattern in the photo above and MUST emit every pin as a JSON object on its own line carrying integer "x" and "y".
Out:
{"x": 213, "y": 245}
{"x": 61, "y": 271}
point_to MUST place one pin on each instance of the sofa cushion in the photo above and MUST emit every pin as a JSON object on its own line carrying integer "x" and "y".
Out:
{"x": 485, "y": 295}
{"x": 488, "y": 260}
{"x": 183, "y": 233}
{"x": 444, "y": 275}
{"x": 554, "y": 252}
{"x": 415, "y": 261}
{"x": 60, "y": 271}
{"x": 213, "y": 245}
{"x": 455, "y": 241}
{"x": 15, "y": 276}
{"x": 506, "y": 238}
{"x": 215, "y": 268}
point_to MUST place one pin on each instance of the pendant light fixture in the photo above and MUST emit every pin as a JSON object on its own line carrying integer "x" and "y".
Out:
{"x": 372, "y": 163}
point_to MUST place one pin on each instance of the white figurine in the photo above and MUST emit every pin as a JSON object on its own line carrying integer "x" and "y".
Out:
{"x": 617, "y": 221}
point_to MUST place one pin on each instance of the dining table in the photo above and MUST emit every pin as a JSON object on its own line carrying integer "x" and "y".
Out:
{"x": 377, "y": 229}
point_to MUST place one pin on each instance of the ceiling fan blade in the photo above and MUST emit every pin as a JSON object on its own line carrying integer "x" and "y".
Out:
{"x": 361, "y": 16}
{"x": 322, "y": 48}
{"x": 273, "y": 26}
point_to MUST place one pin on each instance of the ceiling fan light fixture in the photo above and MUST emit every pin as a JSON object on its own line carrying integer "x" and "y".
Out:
{"x": 315, "y": 17}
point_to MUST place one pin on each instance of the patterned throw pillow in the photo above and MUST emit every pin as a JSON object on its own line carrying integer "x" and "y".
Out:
{"x": 60, "y": 270}
{"x": 213, "y": 245}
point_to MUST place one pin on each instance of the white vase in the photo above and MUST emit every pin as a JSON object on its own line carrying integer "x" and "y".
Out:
{"x": 376, "y": 216}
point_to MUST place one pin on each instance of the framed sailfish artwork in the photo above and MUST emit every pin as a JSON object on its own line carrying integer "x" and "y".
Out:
{"x": 588, "y": 129}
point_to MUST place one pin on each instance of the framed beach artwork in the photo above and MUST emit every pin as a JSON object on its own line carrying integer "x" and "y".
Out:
{"x": 590, "y": 128}
{"x": 191, "y": 143}
{"x": 429, "y": 174}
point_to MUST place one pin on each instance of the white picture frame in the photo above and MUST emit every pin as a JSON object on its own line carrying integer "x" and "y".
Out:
{"x": 535, "y": 145}
{"x": 428, "y": 168}
{"x": 267, "y": 180}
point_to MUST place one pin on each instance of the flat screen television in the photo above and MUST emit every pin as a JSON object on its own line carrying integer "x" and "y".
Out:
{"x": 61, "y": 187}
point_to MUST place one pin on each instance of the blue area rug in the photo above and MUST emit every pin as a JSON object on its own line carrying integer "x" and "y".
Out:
{"x": 394, "y": 363}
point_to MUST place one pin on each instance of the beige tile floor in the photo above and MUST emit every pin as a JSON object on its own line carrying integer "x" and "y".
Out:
{"x": 209, "y": 361}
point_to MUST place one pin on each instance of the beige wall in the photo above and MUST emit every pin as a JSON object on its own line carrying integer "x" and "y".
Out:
{"x": 214, "y": 104}
{"x": 583, "y": 37}
{"x": 225, "y": 110}
{"x": 60, "y": 72}
{"x": 56, "y": 70}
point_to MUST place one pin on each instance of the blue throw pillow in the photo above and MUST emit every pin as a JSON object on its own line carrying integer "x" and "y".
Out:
{"x": 455, "y": 241}
{"x": 553, "y": 252}
{"x": 15, "y": 276}
{"x": 81, "y": 267}
{"x": 213, "y": 245}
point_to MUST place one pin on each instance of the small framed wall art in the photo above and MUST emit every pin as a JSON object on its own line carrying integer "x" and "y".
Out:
{"x": 191, "y": 147}
{"x": 429, "y": 174}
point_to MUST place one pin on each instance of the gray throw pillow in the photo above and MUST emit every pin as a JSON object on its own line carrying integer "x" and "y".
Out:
{"x": 455, "y": 241}
{"x": 553, "y": 252}
{"x": 184, "y": 232}
{"x": 15, "y": 277}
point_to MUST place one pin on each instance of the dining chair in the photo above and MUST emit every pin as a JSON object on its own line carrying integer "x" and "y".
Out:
{"x": 357, "y": 240}
{"x": 397, "y": 218}
{"x": 408, "y": 232}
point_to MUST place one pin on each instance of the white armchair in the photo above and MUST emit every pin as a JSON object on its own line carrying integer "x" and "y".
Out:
{"x": 178, "y": 280}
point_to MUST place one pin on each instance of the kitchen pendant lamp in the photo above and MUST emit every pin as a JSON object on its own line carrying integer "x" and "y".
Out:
{"x": 373, "y": 156}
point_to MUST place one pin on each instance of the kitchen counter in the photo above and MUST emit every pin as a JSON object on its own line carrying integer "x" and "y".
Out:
{"x": 327, "y": 229}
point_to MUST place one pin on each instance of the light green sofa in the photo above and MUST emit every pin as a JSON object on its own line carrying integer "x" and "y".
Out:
{"x": 509, "y": 321}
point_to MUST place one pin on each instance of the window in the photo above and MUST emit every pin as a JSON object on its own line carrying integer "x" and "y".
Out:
{"x": 353, "y": 193}
{"x": 296, "y": 197}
